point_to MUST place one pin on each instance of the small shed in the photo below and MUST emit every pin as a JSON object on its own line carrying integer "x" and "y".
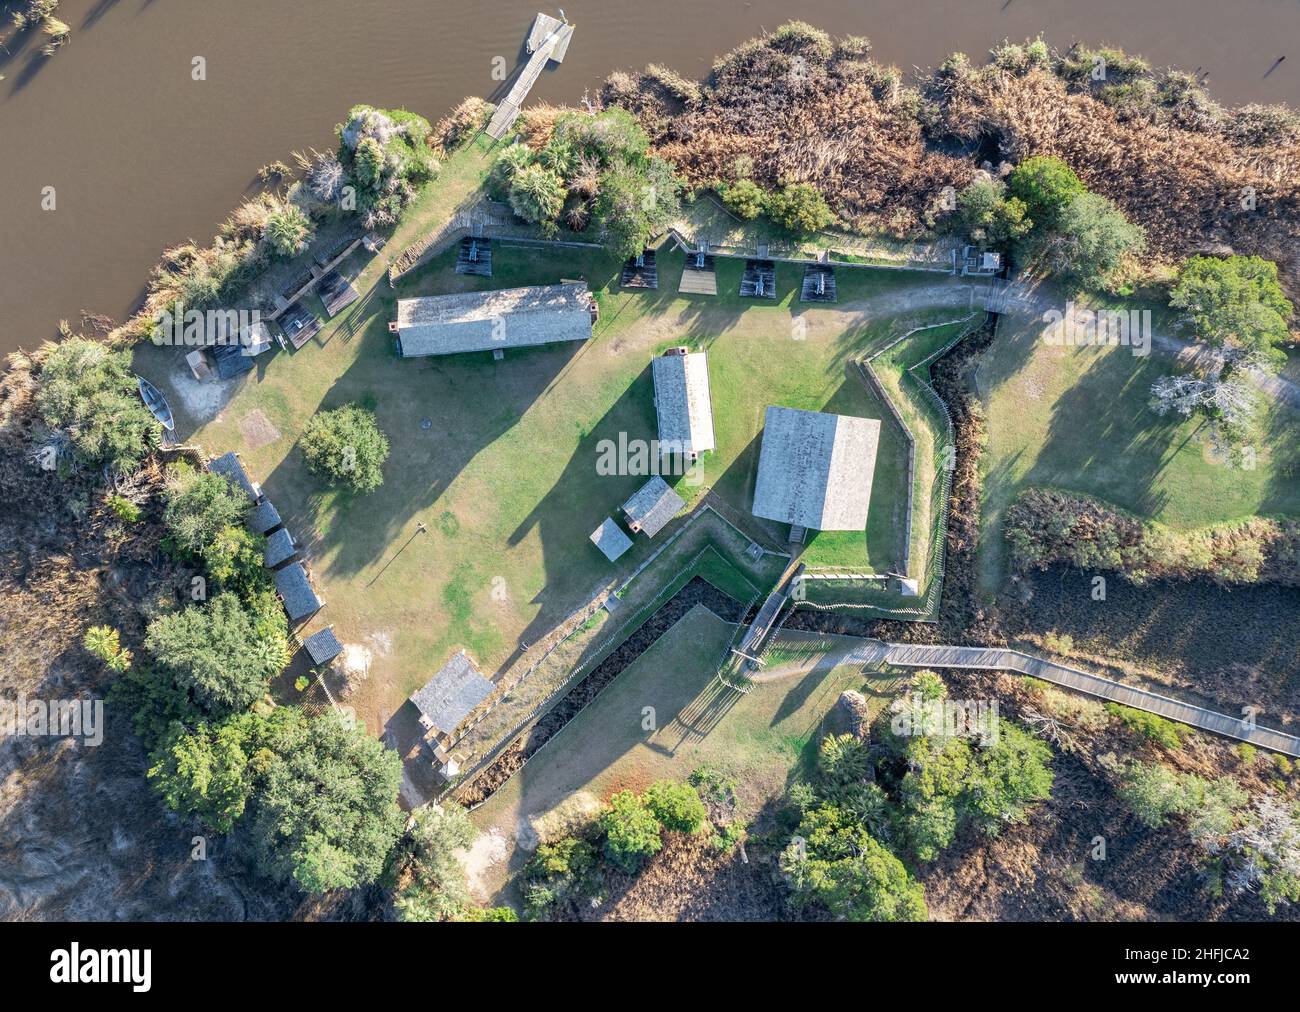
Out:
{"x": 295, "y": 592}
{"x": 231, "y": 360}
{"x": 230, "y": 465}
{"x": 610, "y": 539}
{"x": 299, "y": 324}
{"x": 279, "y": 549}
{"x": 264, "y": 517}
{"x": 448, "y": 697}
{"x": 324, "y": 646}
{"x": 652, "y": 507}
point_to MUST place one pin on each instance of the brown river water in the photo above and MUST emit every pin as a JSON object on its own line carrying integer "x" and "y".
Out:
{"x": 141, "y": 156}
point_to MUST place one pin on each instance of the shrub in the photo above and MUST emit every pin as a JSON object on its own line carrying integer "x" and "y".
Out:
{"x": 199, "y": 506}
{"x": 89, "y": 393}
{"x": 537, "y": 194}
{"x": 838, "y": 865}
{"x": 438, "y": 890}
{"x": 565, "y": 869}
{"x": 799, "y": 208}
{"x": 104, "y": 642}
{"x": 289, "y": 231}
{"x": 124, "y": 509}
{"x": 677, "y": 806}
{"x": 1091, "y": 240}
{"x": 346, "y": 447}
{"x": 632, "y": 833}
{"x": 1165, "y": 733}
{"x": 744, "y": 198}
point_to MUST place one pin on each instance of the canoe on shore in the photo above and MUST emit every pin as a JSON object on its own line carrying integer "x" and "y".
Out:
{"x": 156, "y": 403}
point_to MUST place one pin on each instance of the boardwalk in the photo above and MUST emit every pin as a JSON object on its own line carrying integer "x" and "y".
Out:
{"x": 916, "y": 656}
{"x": 548, "y": 40}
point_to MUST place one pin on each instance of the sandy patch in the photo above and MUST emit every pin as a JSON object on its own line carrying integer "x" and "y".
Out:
{"x": 355, "y": 664}
{"x": 257, "y": 429}
{"x": 381, "y": 643}
{"x": 202, "y": 399}
{"x": 486, "y": 852}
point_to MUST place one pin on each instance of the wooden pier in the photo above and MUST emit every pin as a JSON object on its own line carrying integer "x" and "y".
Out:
{"x": 548, "y": 40}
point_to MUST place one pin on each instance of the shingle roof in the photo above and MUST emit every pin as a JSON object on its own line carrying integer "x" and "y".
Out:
{"x": 323, "y": 646}
{"x": 682, "y": 403}
{"x": 295, "y": 591}
{"x": 610, "y": 539}
{"x": 485, "y": 321}
{"x": 229, "y": 465}
{"x": 815, "y": 469}
{"x": 263, "y": 517}
{"x": 279, "y": 548}
{"x": 448, "y": 697}
{"x": 231, "y": 360}
{"x": 652, "y": 506}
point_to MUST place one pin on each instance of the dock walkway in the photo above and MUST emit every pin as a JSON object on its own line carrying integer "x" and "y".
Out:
{"x": 548, "y": 40}
{"x": 908, "y": 655}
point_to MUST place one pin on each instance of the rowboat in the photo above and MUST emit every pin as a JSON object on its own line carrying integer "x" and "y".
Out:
{"x": 156, "y": 403}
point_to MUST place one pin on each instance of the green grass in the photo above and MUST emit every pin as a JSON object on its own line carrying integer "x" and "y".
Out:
{"x": 1079, "y": 419}
{"x": 504, "y": 475}
{"x": 761, "y": 739}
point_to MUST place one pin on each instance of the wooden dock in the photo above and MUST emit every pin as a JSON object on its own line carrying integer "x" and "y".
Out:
{"x": 548, "y": 40}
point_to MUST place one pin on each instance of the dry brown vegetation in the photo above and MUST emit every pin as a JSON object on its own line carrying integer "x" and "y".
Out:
{"x": 797, "y": 106}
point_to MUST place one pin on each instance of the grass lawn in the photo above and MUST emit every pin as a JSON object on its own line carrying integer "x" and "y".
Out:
{"x": 498, "y": 459}
{"x": 760, "y": 738}
{"x": 1079, "y": 419}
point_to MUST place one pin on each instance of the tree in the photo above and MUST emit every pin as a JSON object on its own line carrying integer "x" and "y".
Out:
{"x": 1091, "y": 239}
{"x": 744, "y": 198}
{"x": 834, "y": 862}
{"x": 799, "y": 208}
{"x": 199, "y": 505}
{"x": 204, "y": 773}
{"x": 508, "y": 164}
{"x": 1013, "y": 772}
{"x": 537, "y": 194}
{"x": 326, "y": 814}
{"x": 218, "y": 653}
{"x": 989, "y": 217}
{"x": 289, "y": 231}
{"x": 632, "y": 833}
{"x": 1153, "y": 792}
{"x": 90, "y": 393}
{"x": 1046, "y": 186}
{"x": 1235, "y": 302}
{"x": 438, "y": 890}
{"x": 676, "y": 806}
{"x": 346, "y": 447}
{"x": 634, "y": 202}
